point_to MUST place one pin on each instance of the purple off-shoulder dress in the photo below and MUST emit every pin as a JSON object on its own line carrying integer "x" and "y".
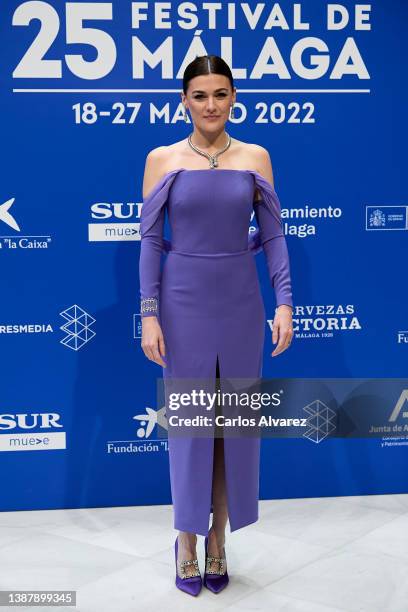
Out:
{"x": 208, "y": 302}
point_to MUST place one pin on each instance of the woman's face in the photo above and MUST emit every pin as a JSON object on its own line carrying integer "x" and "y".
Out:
{"x": 209, "y": 99}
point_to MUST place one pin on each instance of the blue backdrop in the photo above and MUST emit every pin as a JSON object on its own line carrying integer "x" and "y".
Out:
{"x": 87, "y": 89}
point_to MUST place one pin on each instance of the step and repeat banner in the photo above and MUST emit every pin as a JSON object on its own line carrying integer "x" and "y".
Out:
{"x": 87, "y": 90}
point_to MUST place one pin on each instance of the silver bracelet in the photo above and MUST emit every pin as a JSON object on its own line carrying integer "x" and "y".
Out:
{"x": 149, "y": 304}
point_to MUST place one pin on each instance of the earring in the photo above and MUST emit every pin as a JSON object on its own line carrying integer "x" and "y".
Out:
{"x": 232, "y": 112}
{"x": 185, "y": 114}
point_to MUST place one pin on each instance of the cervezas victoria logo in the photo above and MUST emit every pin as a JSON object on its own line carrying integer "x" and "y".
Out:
{"x": 323, "y": 320}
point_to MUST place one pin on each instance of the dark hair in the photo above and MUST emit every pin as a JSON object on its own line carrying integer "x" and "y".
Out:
{"x": 206, "y": 64}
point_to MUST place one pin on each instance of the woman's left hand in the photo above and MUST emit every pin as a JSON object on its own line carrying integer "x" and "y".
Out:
{"x": 282, "y": 328}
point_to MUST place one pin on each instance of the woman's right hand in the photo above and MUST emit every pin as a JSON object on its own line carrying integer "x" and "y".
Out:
{"x": 152, "y": 340}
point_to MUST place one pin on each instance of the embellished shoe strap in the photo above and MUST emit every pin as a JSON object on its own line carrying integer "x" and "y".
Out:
{"x": 182, "y": 565}
{"x": 222, "y": 566}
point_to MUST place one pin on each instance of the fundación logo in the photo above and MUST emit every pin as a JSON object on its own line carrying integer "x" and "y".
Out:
{"x": 386, "y": 218}
{"x": 114, "y": 221}
{"x": 31, "y": 431}
{"x": 144, "y": 443}
{"x": 18, "y": 241}
{"x": 149, "y": 420}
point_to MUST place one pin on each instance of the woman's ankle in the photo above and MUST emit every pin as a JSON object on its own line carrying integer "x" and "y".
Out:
{"x": 219, "y": 533}
{"x": 187, "y": 540}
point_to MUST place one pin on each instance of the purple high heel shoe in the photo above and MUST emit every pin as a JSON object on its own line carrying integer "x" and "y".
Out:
{"x": 192, "y": 583}
{"x": 215, "y": 581}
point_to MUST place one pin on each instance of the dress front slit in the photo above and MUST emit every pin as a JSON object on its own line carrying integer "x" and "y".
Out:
{"x": 217, "y": 441}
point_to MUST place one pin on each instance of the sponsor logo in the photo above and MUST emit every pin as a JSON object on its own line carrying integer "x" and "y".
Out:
{"x": 17, "y": 432}
{"x": 323, "y": 320}
{"x": 400, "y": 407}
{"x": 321, "y": 422}
{"x": 305, "y": 221}
{"x": 18, "y": 241}
{"x": 114, "y": 221}
{"x": 144, "y": 441}
{"x": 78, "y": 327}
{"x": 386, "y": 218}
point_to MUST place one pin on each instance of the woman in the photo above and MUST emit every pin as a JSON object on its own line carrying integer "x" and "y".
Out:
{"x": 202, "y": 312}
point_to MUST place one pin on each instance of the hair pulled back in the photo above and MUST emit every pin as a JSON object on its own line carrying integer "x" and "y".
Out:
{"x": 206, "y": 64}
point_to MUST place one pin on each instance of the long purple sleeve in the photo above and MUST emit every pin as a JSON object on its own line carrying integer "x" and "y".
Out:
{"x": 275, "y": 248}
{"x": 151, "y": 250}
{"x": 153, "y": 244}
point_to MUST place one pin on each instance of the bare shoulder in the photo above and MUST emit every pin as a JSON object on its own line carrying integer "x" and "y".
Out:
{"x": 260, "y": 160}
{"x": 258, "y": 150}
{"x": 157, "y": 165}
{"x": 256, "y": 157}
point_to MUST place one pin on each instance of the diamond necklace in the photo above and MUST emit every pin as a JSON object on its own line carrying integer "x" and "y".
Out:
{"x": 213, "y": 159}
